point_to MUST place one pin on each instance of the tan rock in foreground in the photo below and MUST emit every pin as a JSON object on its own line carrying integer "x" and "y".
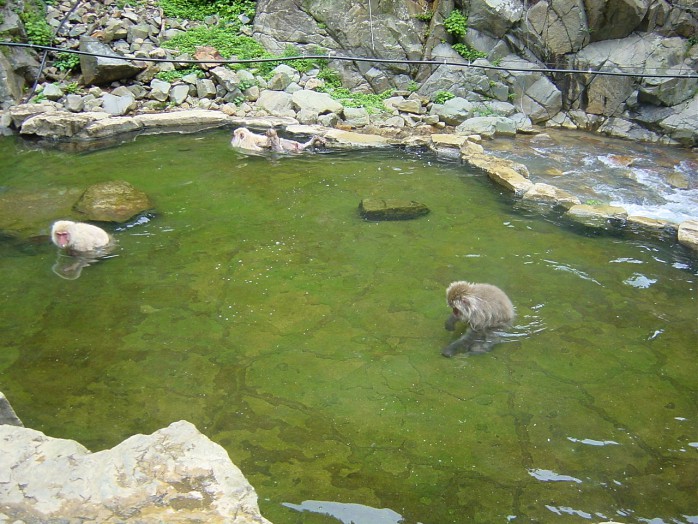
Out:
{"x": 688, "y": 234}
{"x": 173, "y": 475}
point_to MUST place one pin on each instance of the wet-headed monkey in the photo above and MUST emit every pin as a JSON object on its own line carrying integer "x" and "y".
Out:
{"x": 485, "y": 308}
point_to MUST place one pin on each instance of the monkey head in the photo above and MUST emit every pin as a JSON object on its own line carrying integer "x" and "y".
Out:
{"x": 461, "y": 300}
{"x": 60, "y": 233}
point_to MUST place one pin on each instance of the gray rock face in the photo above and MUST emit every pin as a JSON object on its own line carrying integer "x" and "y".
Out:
{"x": 386, "y": 30}
{"x": 101, "y": 70}
{"x": 557, "y": 27}
{"x": 173, "y": 475}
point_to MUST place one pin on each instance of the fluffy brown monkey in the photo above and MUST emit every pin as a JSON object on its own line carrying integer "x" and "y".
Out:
{"x": 79, "y": 237}
{"x": 485, "y": 308}
{"x": 283, "y": 145}
{"x": 243, "y": 138}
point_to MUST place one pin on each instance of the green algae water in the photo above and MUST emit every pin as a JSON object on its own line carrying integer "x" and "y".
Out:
{"x": 255, "y": 303}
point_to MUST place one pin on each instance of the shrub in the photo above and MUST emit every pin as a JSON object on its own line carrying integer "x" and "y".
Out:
{"x": 372, "y": 103}
{"x": 171, "y": 76}
{"x": 38, "y": 30}
{"x": 331, "y": 78}
{"x": 225, "y": 39}
{"x": 67, "y": 61}
{"x": 456, "y": 24}
{"x": 426, "y": 16}
{"x": 467, "y": 52}
{"x": 200, "y": 9}
{"x": 443, "y": 96}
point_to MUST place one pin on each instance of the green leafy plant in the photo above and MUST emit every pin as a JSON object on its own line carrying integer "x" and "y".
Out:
{"x": 71, "y": 88}
{"x": 372, "y": 103}
{"x": 130, "y": 3}
{"x": 467, "y": 52}
{"x": 592, "y": 202}
{"x": 330, "y": 77}
{"x": 67, "y": 61}
{"x": 244, "y": 85}
{"x": 38, "y": 97}
{"x": 302, "y": 65}
{"x": 456, "y": 24}
{"x": 200, "y": 9}
{"x": 413, "y": 87}
{"x": 443, "y": 96}
{"x": 176, "y": 74}
{"x": 426, "y": 16}
{"x": 38, "y": 30}
{"x": 225, "y": 39}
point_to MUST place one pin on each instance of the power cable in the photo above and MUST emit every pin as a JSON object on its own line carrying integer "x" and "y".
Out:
{"x": 644, "y": 73}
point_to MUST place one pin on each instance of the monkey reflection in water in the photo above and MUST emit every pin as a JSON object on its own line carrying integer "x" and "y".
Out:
{"x": 80, "y": 246}
{"x": 485, "y": 308}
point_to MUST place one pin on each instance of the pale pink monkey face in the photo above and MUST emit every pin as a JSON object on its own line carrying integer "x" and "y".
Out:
{"x": 62, "y": 238}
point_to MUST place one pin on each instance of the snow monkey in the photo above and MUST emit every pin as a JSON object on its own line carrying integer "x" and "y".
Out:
{"x": 81, "y": 246}
{"x": 243, "y": 138}
{"x": 79, "y": 237}
{"x": 485, "y": 308}
{"x": 283, "y": 145}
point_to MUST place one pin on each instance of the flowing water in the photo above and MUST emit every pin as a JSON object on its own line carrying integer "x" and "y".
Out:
{"x": 257, "y": 304}
{"x": 647, "y": 180}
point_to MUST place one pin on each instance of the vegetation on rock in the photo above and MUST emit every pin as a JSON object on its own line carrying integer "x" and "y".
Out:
{"x": 200, "y": 9}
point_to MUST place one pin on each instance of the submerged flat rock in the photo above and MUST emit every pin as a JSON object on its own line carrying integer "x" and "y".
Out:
{"x": 112, "y": 201}
{"x": 391, "y": 209}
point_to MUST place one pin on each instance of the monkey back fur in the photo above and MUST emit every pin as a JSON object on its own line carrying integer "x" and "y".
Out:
{"x": 483, "y": 306}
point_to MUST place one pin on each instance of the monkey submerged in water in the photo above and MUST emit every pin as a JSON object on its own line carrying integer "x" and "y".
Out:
{"x": 245, "y": 139}
{"x": 485, "y": 308}
{"x": 248, "y": 141}
{"x": 81, "y": 245}
{"x": 80, "y": 237}
{"x": 283, "y": 145}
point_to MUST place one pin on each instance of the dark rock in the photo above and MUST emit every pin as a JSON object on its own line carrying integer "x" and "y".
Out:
{"x": 7, "y": 414}
{"x": 102, "y": 70}
{"x": 391, "y": 209}
{"x": 113, "y": 201}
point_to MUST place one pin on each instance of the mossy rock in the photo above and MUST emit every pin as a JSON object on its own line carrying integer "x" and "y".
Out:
{"x": 391, "y": 209}
{"x": 113, "y": 201}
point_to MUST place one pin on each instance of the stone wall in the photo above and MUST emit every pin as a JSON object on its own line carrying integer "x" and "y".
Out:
{"x": 520, "y": 41}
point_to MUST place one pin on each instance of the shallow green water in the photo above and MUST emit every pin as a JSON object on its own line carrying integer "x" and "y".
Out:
{"x": 306, "y": 341}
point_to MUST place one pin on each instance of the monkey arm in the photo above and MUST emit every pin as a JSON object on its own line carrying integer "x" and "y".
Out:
{"x": 461, "y": 343}
{"x": 450, "y": 324}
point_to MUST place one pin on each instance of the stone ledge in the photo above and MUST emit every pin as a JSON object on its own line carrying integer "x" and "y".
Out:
{"x": 173, "y": 475}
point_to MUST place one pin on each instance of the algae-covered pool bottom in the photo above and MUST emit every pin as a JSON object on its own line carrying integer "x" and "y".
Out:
{"x": 258, "y": 305}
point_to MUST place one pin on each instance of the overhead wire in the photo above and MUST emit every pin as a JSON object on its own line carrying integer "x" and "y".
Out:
{"x": 645, "y": 73}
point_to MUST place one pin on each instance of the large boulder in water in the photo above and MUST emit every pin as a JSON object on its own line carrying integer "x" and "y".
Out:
{"x": 112, "y": 201}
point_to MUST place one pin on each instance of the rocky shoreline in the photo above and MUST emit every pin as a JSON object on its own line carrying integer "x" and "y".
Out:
{"x": 52, "y": 122}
